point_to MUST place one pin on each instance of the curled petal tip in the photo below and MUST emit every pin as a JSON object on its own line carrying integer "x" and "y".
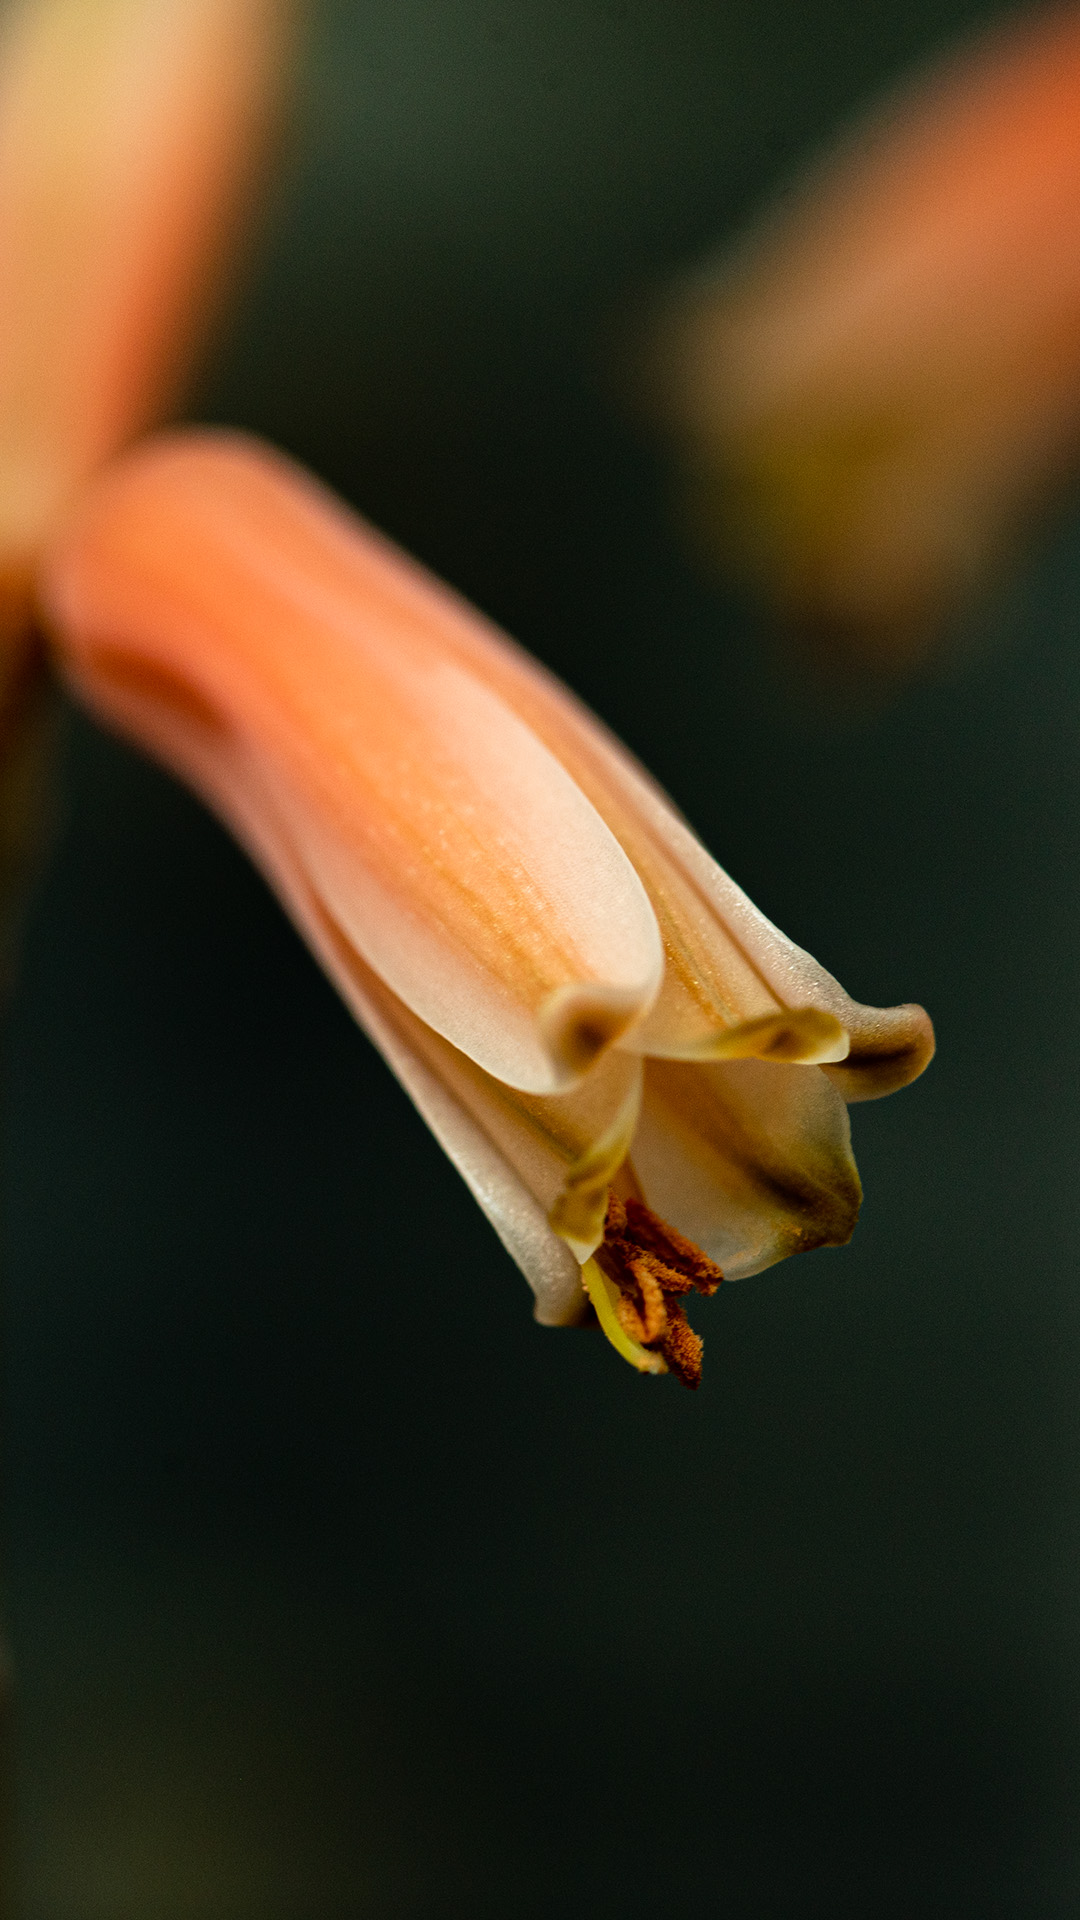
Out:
{"x": 890, "y": 1050}
{"x": 799, "y": 1036}
{"x": 579, "y": 1023}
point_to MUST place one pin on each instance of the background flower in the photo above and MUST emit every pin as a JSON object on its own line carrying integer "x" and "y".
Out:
{"x": 878, "y": 389}
{"x": 132, "y": 136}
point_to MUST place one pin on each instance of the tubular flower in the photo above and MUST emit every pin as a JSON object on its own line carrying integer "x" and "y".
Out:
{"x": 883, "y": 382}
{"x": 642, "y": 1081}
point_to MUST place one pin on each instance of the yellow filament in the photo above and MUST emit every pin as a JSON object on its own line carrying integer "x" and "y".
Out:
{"x": 604, "y": 1295}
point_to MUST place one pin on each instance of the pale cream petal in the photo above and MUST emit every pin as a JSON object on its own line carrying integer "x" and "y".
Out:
{"x": 441, "y": 835}
{"x": 565, "y": 1148}
{"x": 527, "y": 1160}
{"x": 457, "y": 1121}
{"x": 720, "y": 949}
{"x": 517, "y": 1216}
{"x": 750, "y": 1159}
{"x": 539, "y": 1167}
{"x": 804, "y": 1036}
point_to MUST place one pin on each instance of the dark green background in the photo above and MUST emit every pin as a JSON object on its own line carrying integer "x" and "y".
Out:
{"x": 337, "y": 1587}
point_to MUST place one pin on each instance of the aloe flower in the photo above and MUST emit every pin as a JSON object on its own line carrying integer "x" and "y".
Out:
{"x": 642, "y": 1081}
{"x": 882, "y": 383}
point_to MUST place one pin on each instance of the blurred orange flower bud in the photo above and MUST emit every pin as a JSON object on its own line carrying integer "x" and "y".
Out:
{"x": 882, "y": 384}
{"x": 640, "y": 1078}
{"x": 128, "y": 131}
{"x": 129, "y": 135}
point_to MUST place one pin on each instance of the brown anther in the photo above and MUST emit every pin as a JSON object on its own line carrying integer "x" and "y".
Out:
{"x": 671, "y": 1281}
{"x": 641, "y": 1302}
{"x": 651, "y": 1265}
{"x": 629, "y": 1318}
{"x": 682, "y": 1348}
{"x": 648, "y": 1305}
{"x": 615, "y": 1218}
{"x": 673, "y": 1248}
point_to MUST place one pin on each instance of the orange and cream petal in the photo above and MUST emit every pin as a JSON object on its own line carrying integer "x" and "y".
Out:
{"x": 503, "y": 1151}
{"x": 540, "y": 1167}
{"x": 206, "y": 584}
{"x": 726, "y": 964}
{"x": 565, "y": 1149}
{"x": 750, "y": 1159}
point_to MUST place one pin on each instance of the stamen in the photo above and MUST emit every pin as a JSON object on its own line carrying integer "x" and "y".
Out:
{"x": 673, "y": 1248}
{"x": 650, "y": 1265}
{"x": 682, "y": 1348}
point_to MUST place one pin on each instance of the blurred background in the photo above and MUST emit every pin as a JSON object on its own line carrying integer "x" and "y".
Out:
{"x": 336, "y": 1587}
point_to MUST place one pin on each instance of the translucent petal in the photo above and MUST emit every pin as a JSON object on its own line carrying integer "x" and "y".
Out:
{"x": 749, "y": 1159}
